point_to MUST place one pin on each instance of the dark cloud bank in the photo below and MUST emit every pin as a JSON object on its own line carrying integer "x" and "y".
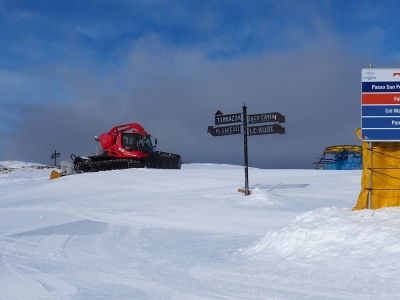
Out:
{"x": 175, "y": 93}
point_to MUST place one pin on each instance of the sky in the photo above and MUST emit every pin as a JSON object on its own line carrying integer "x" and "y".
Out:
{"x": 70, "y": 70}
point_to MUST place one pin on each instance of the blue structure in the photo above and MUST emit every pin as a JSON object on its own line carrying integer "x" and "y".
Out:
{"x": 342, "y": 157}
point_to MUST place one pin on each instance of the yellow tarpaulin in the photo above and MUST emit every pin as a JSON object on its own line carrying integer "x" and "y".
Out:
{"x": 384, "y": 163}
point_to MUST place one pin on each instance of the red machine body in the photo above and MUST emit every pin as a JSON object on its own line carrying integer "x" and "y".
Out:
{"x": 126, "y": 146}
{"x": 121, "y": 141}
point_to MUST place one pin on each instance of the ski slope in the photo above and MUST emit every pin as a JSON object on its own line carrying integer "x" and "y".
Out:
{"x": 189, "y": 234}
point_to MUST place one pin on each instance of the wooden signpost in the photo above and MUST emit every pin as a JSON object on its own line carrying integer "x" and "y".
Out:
{"x": 54, "y": 156}
{"x": 245, "y": 119}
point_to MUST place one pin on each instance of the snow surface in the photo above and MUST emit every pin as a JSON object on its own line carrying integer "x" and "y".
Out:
{"x": 189, "y": 234}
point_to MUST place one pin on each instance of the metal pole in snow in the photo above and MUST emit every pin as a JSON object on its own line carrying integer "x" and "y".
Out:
{"x": 246, "y": 158}
{"x": 369, "y": 205}
{"x": 55, "y": 157}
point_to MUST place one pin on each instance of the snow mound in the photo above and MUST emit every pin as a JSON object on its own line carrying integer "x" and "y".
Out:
{"x": 330, "y": 235}
{"x": 259, "y": 198}
{"x": 14, "y": 165}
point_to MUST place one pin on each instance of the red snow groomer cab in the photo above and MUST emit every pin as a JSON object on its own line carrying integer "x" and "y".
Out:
{"x": 126, "y": 146}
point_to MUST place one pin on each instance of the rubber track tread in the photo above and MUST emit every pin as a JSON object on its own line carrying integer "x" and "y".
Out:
{"x": 87, "y": 166}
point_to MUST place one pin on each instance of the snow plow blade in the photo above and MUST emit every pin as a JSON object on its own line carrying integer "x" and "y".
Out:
{"x": 163, "y": 160}
{"x": 54, "y": 175}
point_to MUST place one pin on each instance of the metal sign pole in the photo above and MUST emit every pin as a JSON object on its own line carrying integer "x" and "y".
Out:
{"x": 369, "y": 205}
{"x": 246, "y": 157}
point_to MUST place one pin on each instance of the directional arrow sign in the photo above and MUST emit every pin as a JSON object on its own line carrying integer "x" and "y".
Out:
{"x": 226, "y": 130}
{"x": 246, "y": 119}
{"x": 266, "y": 129}
{"x": 225, "y": 119}
{"x": 54, "y": 155}
{"x": 267, "y": 117}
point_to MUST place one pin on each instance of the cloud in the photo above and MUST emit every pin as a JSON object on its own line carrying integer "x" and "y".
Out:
{"x": 75, "y": 71}
{"x": 174, "y": 93}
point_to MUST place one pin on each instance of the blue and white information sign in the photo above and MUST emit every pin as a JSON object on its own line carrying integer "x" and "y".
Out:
{"x": 380, "y": 105}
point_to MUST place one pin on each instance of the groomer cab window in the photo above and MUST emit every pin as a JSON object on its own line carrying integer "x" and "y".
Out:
{"x": 129, "y": 140}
